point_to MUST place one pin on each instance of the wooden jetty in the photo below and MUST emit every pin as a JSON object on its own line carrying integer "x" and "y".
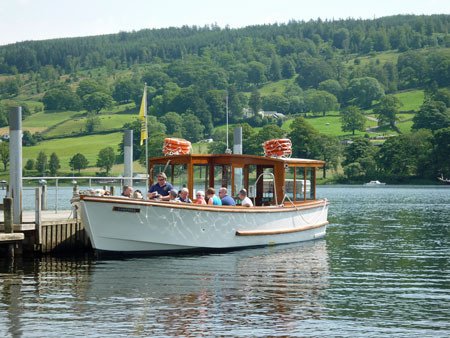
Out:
{"x": 41, "y": 231}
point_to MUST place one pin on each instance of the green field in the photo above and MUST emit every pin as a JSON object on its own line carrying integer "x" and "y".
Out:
{"x": 47, "y": 120}
{"x": 412, "y": 99}
{"x": 89, "y": 146}
{"x": 330, "y": 125}
{"x": 77, "y": 125}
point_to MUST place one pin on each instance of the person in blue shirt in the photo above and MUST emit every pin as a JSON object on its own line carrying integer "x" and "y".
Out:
{"x": 225, "y": 198}
{"x": 213, "y": 199}
{"x": 160, "y": 189}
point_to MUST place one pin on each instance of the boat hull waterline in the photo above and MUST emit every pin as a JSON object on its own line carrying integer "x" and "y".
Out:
{"x": 119, "y": 225}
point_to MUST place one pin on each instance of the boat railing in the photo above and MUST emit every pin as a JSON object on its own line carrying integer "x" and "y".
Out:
{"x": 274, "y": 187}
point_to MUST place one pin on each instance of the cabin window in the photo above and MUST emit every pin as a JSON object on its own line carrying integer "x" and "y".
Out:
{"x": 238, "y": 181}
{"x": 177, "y": 176}
{"x": 222, "y": 177}
{"x": 289, "y": 183}
{"x": 311, "y": 181}
{"x": 201, "y": 177}
{"x": 251, "y": 181}
{"x": 300, "y": 184}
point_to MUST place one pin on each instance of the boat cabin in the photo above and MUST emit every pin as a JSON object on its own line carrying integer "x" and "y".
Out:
{"x": 268, "y": 181}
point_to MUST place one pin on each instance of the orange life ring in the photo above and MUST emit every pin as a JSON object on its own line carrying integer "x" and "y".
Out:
{"x": 278, "y": 141}
{"x": 278, "y": 146}
{"x": 176, "y": 146}
{"x": 177, "y": 141}
{"x": 172, "y": 146}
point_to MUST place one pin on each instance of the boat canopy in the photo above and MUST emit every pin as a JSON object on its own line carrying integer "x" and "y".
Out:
{"x": 268, "y": 181}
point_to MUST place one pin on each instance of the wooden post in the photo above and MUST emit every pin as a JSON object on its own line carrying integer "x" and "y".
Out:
{"x": 8, "y": 214}
{"x": 111, "y": 190}
{"x": 38, "y": 216}
{"x": 75, "y": 192}
{"x": 44, "y": 197}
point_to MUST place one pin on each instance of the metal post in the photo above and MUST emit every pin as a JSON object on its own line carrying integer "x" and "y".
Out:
{"x": 237, "y": 149}
{"x": 37, "y": 216}
{"x": 128, "y": 156}
{"x": 44, "y": 197}
{"x": 56, "y": 197}
{"x": 15, "y": 168}
{"x": 228, "y": 150}
{"x": 8, "y": 215}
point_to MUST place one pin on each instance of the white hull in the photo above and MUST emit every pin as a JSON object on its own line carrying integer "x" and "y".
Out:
{"x": 124, "y": 225}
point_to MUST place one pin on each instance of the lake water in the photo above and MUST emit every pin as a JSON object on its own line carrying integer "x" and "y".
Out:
{"x": 383, "y": 270}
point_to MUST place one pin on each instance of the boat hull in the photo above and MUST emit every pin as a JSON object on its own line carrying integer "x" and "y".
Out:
{"x": 123, "y": 225}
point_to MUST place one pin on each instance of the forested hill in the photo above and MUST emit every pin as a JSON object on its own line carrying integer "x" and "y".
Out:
{"x": 382, "y": 83}
{"x": 225, "y": 45}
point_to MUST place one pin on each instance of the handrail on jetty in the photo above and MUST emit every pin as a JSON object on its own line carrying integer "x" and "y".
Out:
{"x": 109, "y": 179}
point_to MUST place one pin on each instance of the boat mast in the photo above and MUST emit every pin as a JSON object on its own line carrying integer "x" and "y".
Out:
{"x": 228, "y": 150}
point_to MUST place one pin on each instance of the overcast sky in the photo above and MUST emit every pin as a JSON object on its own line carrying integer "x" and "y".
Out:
{"x": 45, "y": 19}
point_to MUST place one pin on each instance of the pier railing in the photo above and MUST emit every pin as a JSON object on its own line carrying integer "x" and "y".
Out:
{"x": 106, "y": 180}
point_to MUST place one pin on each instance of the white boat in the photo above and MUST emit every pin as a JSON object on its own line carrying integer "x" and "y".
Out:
{"x": 118, "y": 224}
{"x": 375, "y": 183}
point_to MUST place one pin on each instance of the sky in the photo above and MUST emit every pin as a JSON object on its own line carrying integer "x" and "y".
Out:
{"x": 22, "y": 20}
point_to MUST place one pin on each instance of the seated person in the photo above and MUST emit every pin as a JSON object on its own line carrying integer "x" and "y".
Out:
{"x": 212, "y": 198}
{"x": 200, "y": 197}
{"x": 225, "y": 198}
{"x": 184, "y": 196}
{"x": 173, "y": 195}
{"x": 138, "y": 194}
{"x": 246, "y": 202}
{"x": 160, "y": 189}
{"x": 127, "y": 191}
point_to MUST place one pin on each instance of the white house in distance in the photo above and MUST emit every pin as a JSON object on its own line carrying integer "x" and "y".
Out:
{"x": 248, "y": 112}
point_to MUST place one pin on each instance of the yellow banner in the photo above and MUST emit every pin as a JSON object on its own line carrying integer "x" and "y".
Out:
{"x": 143, "y": 117}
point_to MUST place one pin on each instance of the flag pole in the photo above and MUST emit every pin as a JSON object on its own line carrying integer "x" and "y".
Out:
{"x": 146, "y": 138}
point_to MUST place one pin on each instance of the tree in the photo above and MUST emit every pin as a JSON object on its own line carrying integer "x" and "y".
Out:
{"x": 321, "y": 101}
{"x": 30, "y": 164}
{"x": 313, "y": 71}
{"x": 362, "y": 91}
{"x": 432, "y": 115}
{"x": 106, "y": 159}
{"x": 28, "y": 139}
{"x": 173, "y": 123}
{"x": 303, "y": 137}
{"x": 275, "y": 69}
{"x": 359, "y": 149}
{"x": 287, "y": 69}
{"x": 92, "y": 123}
{"x": 442, "y": 151}
{"x": 352, "y": 119}
{"x": 330, "y": 151}
{"x": 96, "y": 101}
{"x": 62, "y": 98}
{"x": 255, "y": 101}
{"x": 53, "y": 164}
{"x": 332, "y": 87}
{"x": 125, "y": 90}
{"x": 41, "y": 163}
{"x": 192, "y": 128}
{"x": 387, "y": 109}
{"x": 89, "y": 86}
{"x": 4, "y": 154}
{"x": 276, "y": 103}
{"x": 256, "y": 72}
{"x": 78, "y": 162}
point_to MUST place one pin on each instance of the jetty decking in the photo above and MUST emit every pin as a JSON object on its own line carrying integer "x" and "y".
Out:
{"x": 50, "y": 232}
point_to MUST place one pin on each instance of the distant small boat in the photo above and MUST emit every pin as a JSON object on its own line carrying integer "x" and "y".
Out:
{"x": 444, "y": 180}
{"x": 375, "y": 183}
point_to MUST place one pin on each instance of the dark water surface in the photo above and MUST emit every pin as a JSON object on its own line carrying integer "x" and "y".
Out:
{"x": 382, "y": 271}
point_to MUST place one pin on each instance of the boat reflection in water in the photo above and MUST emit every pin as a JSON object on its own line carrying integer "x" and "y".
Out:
{"x": 247, "y": 292}
{"x": 250, "y": 292}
